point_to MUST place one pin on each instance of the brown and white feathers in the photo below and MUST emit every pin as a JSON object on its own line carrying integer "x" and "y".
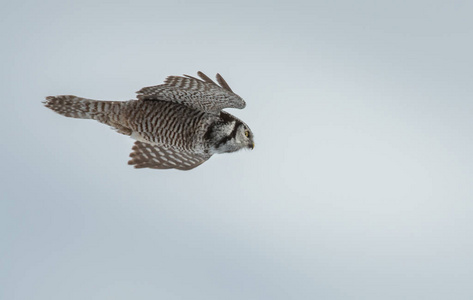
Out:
{"x": 179, "y": 124}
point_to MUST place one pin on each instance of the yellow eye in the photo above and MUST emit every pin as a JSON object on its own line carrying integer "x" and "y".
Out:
{"x": 247, "y": 133}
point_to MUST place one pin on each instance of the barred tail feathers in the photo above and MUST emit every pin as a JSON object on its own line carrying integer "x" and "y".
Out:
{"x": 76, "y": 107}
{"x": 106, "y": 112}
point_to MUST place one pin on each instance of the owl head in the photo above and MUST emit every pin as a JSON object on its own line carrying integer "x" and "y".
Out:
{"x": 230, "y": 134}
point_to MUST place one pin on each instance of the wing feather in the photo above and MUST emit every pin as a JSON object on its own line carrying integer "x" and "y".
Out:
{"x": 201, "y": 94}
{"x": 223, "y": 83}
{"x": 206, "y": 78}
{"x": 146, "y": 155}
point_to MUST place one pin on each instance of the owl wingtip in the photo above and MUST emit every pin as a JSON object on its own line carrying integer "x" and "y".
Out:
{"x": 48, "y": 99}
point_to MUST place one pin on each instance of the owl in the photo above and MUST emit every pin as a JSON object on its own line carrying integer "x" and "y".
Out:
{"x": 177, "y": 125}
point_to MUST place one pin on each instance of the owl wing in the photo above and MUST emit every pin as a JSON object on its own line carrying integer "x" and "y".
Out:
{"x": 201, "y": 94}
{"x": 155, "y": 157}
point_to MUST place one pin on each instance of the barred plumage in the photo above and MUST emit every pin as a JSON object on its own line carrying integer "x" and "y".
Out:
{"x": 179, "y": 124}
{"x": 145, "y": 155}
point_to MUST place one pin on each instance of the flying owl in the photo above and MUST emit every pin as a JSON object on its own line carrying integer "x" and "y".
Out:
{"x": 177, "y": 125}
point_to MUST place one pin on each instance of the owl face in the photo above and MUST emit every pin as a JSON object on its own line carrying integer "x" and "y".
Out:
{"x": 244, "y": 137}
{"x": 230, "y": 136}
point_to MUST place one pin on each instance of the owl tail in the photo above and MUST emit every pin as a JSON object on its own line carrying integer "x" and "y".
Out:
{"x": 76, "y": 107}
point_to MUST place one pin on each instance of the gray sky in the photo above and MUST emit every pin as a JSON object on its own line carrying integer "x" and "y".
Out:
{"x": 360, "y": 185}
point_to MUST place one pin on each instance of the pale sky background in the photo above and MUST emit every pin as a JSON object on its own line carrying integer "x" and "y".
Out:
{"x": 360, "y": 185}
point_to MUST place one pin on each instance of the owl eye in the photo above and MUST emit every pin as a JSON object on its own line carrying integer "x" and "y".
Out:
{"x": 247, "y": 133}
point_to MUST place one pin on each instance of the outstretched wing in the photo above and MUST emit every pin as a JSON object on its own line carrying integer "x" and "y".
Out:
{"x": 202, "y": 94}
{"x": 155, "y": 157}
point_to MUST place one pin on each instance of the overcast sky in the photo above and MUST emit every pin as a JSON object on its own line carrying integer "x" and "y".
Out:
{"x": 359, "y": 187}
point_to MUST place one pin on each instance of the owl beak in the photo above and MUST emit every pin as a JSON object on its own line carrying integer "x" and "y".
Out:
{"x": 251, "y": 145}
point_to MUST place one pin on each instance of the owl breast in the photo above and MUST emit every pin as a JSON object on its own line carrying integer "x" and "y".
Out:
{"x": 167, "y": 124}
